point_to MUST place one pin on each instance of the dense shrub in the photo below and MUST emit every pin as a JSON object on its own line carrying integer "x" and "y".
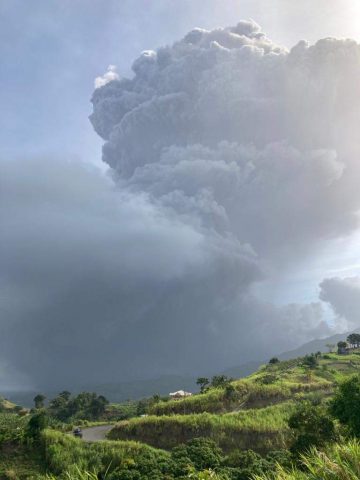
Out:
{"x": 312, "y": 427}
{"x": 12, "y": 428}
{"x": 85, "y": 405}
{"x": 345, "y": 406}
{"x": 199, "y": 453}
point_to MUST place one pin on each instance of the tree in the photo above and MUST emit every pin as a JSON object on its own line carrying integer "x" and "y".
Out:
{"x": 65, "y": 395}
{"x": 36, "y": 424}
{"x": 312, "y": 427}
{"x": 142, "y": 406}
{"x": 97, "y": 406}
{"x": 220, "y": 381}
{"x": 156, "y": 398}
{"x": 39, "y": 401}
{"x": 274, "y": 360}
{"x": 203, "y": 383}
{"x": 230, "y": 392}
{"x": 200, "y": 453}
{"x": 59, "y": 407}
{"x": 345, "y": 405}
{"x": 341, "y": 345}
{"x": 86, "y": 405}
{"x": 330, "y": 346}
{"x": 247, "y": 462}
{"x": 354, "y": 339}
{"x": 310, "y": 361}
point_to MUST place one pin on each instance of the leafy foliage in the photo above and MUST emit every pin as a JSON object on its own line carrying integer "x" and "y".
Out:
{"x": 199, "y": 453}
{"x": 354, "y": 339}
{"x": 83, "y": 406}
{"x": 274, "y": 361}
{"x": 203, "y": 383}
{"x": 312, "y": 426}
{"x": 345, "y": 406}
{"x": 39, "y": 401}
{"x": 311, "y": 360}
{"x": 12, "y": 428}
{"x": 37, "y": 423}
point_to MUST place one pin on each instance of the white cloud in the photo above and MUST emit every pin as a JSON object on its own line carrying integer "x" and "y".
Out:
{"x": 109, "y": 76}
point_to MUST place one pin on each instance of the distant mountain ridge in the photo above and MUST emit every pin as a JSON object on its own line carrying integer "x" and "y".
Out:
{"x": 316, "y": 345}
{"x": 319, "y": 344}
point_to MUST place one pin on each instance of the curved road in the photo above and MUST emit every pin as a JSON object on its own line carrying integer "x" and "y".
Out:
{"x": 94, "y": 434}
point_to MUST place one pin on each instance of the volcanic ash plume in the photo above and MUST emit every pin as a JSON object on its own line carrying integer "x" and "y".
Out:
{"x": 234, "y": 162}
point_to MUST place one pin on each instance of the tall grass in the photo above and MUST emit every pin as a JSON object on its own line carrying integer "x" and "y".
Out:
{"x": 12, "y": 427}
{"x": 77, "y": 474}
{"x": 251, "y": 392}
{"x": 339, "y": 462}
{"x": 64, "y": 453}
{"x": 257, "y": 428}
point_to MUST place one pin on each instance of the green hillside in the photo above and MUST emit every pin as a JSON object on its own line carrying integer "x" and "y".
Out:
{"x": 264, "y": 429}
{"x": 8, "y": 406}
{"x": 252, "y": 413}
{"x": 254, "y": 427}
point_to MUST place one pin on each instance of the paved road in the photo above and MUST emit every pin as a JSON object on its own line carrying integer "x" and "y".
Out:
{"x": 94, "y": 434}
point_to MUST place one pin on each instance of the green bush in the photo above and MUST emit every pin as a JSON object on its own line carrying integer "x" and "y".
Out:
{"x": 345, "y": 405}
{"x": 312, "y": 427}
{"x": 199, "y": 453}
{"x": 12, "y": 428}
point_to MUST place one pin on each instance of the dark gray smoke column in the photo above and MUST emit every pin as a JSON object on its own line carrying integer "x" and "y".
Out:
{"x": 232, "y": 160}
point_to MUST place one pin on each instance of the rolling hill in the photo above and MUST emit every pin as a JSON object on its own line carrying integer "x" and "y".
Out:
{"x": 251, "y": 413}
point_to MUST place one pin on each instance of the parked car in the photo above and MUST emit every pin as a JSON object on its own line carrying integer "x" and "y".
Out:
{"x": 77, "y": 432}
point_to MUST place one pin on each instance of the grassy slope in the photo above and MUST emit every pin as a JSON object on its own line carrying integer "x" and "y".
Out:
{"x": 16, "y": 459}
{"x": 6, "y": 405}
{"x": 264, "y": 429}
{"x": 286, "y": 379}
{"x": 18, "y": 462}
{"x": 259, "y": 407}
{"x": 66, "y": 453}
{"x": 338, "y": 462}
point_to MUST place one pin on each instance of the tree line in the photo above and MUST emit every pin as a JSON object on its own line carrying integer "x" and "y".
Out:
{"x": 65, "y": 406}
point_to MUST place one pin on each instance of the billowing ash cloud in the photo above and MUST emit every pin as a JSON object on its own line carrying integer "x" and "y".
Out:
{"x": 233, "y": 160}
{"x": 343, "y": 295}
{"x": 228, "y": 128}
